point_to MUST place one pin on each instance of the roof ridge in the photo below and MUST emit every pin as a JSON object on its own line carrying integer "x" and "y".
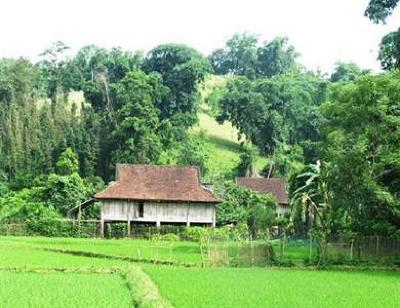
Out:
{"x": 158, "y": 166}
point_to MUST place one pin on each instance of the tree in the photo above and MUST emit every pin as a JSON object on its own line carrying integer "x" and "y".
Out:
{"x": 23, "y": 206}
{"x": 379, "y": 10}
{"x": 361, "y": 142}
{"x": 242, "y": 205}
{"x": 389, "y": 51}
{"x": 50, "y": 69}
{"x": 63, "y": 192}
{"x": 239, "y": 57}
{"x": 68, "y": 162}
{"x": 308, "y": 199}
{"x": 247, "y": 159}
{"x": 136, "y": 138}
{"x": 182, "y": 69}
{"x": 193, "y": 152}
{"x": 276, "y": 57}
{"x": 310, "y": 203}
{"x": 242, "y": 56}
{"x": 346, "y": 72}
{"x": 270, "y": 111}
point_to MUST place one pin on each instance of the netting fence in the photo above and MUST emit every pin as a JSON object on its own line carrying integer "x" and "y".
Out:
{"x": 228, "y": 249}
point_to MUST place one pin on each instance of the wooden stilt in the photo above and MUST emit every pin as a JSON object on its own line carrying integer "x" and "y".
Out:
{"x": 102, "y": 228}
{"x": 128, "y": 225}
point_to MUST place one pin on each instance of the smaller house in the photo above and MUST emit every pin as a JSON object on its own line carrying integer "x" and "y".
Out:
{"x": 274, "y": 186}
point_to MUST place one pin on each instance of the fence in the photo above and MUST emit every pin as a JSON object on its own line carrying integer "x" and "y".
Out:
{"x": 86, "y": 228}
{"x": 225, "y": 251}
{"x": 360, "y": 249}
{"x": 240, "y": 254}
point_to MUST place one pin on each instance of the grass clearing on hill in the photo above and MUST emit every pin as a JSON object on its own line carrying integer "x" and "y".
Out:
{"x": 223, "y": 146}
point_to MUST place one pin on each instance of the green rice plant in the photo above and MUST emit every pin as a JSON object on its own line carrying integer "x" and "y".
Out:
{"x": 182, "y": 251}
{"x": 260, "y": 287}
{"x": 143, "y": 290}
{"x": 63, "y": 290}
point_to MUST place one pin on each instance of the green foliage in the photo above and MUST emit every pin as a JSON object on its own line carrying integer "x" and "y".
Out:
{"x": 48, "y": 198}
{"x": 247, "y": 159}
{"x": 136, "y": 136}
{"x": 50, "y": 70}
{"x": 239, "y": 56}
{"x": 389, "y": 51}
{"x": 68, "y": 162}
{"x": 93, "y": 69}
{"x": 65, "y": 192}
{"x": 346, "y": 72}
{"x": 379, "y": 10}
{"x": 24, "y": 206}
{"x": 182, "y": 69}
{"x": 276, "y": 57}
{"x": 34, "y": 131}
{"x": 286, "y": 161}
{"x": 361, "y": 145}
{"x": 242, "y": 56}
{"x": 193, "y": 152}
{"x": 241, "y": 205}
{"x": 275, "y": 110}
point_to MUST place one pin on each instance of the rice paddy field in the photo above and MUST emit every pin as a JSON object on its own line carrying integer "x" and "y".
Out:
{"x": 254, "y": 287}
{"x": 27, "y": 289}
{"x": 61, "y": 272}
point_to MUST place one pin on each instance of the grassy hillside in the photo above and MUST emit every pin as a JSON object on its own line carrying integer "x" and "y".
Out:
{"x": 223, "y": 146}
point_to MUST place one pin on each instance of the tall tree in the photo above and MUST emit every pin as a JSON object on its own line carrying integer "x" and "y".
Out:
{"x": 136, "y": 137}
{"x": 389, "y": 51}
{"x": 50, "y": 69}
{"x": 239, "y": 56}
{"x": 269, "y": 111}
{"x": 182, "y": 69}
{"x": 361, "y": 143}
{"x": 276, "y": 57}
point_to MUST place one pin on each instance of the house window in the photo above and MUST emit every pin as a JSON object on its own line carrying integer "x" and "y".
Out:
{"x": 141, "y": 209}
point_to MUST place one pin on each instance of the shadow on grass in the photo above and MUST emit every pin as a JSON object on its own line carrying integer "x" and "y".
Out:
{"x": 224, "y": 143}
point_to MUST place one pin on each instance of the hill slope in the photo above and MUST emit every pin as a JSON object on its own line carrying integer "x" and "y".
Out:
{"x": 223, "y": 146}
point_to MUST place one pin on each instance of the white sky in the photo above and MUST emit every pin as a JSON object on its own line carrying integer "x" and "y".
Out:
{"x": 323, "y": 31}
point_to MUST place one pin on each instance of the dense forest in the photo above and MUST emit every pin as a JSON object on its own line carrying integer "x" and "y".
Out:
{"x": 66, "y": 121}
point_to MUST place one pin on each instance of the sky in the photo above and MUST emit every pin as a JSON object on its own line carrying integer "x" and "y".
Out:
{"x": 322, "y": 31}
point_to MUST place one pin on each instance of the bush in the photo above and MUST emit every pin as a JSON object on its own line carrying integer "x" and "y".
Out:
{"x": 169, "y": 237}
{"x": 118, "y": 230}
{"x": 59, "y": 228}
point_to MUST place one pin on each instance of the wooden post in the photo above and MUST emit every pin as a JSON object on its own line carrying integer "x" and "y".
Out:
{"x": 109, "y": 229}
{"x": 188, "y": 215}
{"x": 129, "y": 227}
{"x": 214, "y": 218}
{"x": 102, "y": 228}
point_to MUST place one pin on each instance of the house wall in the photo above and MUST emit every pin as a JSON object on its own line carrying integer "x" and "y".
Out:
{"x": 282, "y": 209}
{"x": 158, "y": 212}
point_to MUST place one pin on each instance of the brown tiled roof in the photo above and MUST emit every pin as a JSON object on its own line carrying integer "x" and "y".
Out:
{"x": 273, "y": 186}
{"x": 158, "y": 183}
